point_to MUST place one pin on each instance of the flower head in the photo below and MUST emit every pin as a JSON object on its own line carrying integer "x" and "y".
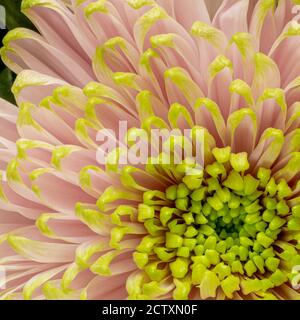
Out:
{"x": 224, "y": 228}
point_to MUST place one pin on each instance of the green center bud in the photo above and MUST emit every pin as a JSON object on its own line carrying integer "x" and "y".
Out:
{"x": 221, "y": 230}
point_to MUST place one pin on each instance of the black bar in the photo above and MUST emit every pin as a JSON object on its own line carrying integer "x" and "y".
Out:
{"x": 96, "y": 310}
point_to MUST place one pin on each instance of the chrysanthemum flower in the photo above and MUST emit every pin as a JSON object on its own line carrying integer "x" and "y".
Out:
{"x": 73, "y": 228}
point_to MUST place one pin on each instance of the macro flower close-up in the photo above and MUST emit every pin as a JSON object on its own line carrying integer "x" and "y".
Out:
{"x": 101, "y": 197}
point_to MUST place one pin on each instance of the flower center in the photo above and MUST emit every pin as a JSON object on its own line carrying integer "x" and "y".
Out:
{"x": 220, "y": 228}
